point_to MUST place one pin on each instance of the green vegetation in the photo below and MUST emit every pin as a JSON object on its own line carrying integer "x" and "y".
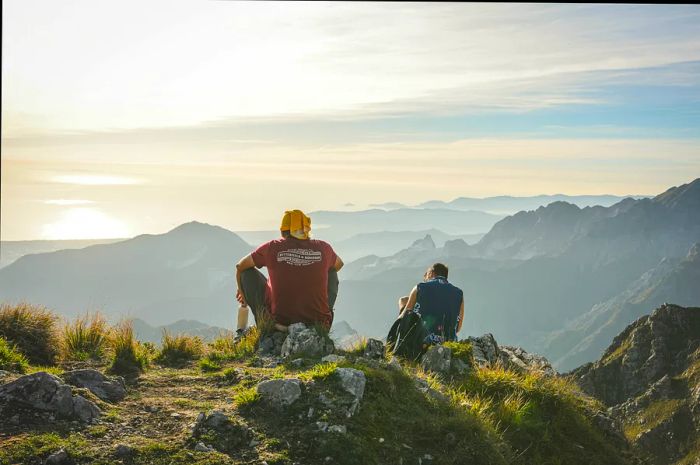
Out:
{"x": 177, "y": 351}
{"x": 85, "y": 338}
{"x": 651, "y": 417}
{"x": 246, "y": 397}
{"x": 209, "y": 364}
{"x": 358, "y": 347}
{"x": 618, "y": 352}
{"x": 319, "y": 371}
{"x": 11, "y": 359}
{"x": 461, "y": 350}
{"x": 128, "y": 356}
{"x": 32, "y": 329}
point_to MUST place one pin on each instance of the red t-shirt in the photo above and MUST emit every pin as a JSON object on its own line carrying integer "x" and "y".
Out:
{"x": 297, "y": 288}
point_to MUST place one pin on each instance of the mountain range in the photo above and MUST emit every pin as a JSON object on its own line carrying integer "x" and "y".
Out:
{"x": 559, "y": 279}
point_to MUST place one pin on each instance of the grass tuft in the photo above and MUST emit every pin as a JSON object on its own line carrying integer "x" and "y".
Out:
{"x": 32, "y": 329}
{"x": 11, "y": 359}
{"x": 128, "y": 356}
{"x": 85, "y": 338}
{"x": 176, "y": 351}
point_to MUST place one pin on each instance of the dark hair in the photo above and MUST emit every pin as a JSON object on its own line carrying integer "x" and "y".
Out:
{"x": 439, "y": 269}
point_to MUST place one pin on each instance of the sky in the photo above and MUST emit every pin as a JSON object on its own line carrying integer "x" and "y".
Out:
{"x": 130, "y": 117}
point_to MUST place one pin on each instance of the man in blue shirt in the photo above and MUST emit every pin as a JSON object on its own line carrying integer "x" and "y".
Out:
{"x": 439, "y": 304}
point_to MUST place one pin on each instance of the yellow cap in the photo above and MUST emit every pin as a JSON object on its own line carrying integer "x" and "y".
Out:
{"x": 297, "y": 223}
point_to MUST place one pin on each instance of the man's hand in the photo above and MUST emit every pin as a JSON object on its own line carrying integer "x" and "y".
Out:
{"x": 240, "y": 298}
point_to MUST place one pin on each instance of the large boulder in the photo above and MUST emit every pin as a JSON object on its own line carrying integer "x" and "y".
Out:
{"x": 303, "y": 341}
{"x": 280, "y": 392}
{"x": 374, "y": 349}
{"x": 110, "y": 389}
{"x": 485, "y": 350}
{"x": 220, "y": 432}
{"x": 518, "y": 359}
{"x": 45, "y": 392}
{"x": 271, "y": 344}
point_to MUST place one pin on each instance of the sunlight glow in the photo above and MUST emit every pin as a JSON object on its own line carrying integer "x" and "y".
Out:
{"x": 95, "y": 180}
{"x": 64, "y": 202}
{"x": 85, "y": 223}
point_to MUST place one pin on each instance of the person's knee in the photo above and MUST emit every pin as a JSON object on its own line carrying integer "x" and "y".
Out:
{"x": 249, "y": 276}
{"x": 402, "y": 302}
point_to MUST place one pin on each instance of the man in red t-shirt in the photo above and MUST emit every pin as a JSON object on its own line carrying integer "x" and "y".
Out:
{"x": 303, "y": 282}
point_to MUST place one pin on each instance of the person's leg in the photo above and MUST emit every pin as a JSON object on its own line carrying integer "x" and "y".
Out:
{"x": 253, "y": 287}
{"x": 332, "y": 292}
{"x": 402, "y": 303}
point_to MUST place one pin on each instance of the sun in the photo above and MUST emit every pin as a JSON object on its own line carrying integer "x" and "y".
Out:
{"x": 85, "y": 223}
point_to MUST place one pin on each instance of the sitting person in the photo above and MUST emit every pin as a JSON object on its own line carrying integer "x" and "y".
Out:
{"x": 439, "y": 303}
{"x": 303, "y": 279}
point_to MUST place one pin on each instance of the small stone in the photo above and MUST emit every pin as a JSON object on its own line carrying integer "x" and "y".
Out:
{"x": 123, "y": 451}
{"x": 374, "y": 349}
{"x": 253, "y": 443}
{"x": 175, "y": 415}
{"x": 297, "y": 363}
{"x": 322, "y": 425}
{"x": 340, "y": 429}
{"x": 201, "y": 447}
{"x": 57, "y": 458}
{"x": 381, "y": 440}
{"x": 333, "y": 358}
{"x": 437, "y": 359}
{"x": 311, "y": 412}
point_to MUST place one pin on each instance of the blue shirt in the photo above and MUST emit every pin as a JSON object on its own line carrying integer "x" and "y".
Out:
{"x": 438, "y": 303}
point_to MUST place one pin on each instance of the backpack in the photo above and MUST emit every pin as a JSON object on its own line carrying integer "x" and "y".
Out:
{"x": 407, "y": 336}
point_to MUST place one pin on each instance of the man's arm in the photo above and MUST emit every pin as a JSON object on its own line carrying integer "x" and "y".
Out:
{"x": 338, "y": 263}
{"x": 242, "y": 265}
{"x": 411, "y": 300}
{"x": 461, "y": 316}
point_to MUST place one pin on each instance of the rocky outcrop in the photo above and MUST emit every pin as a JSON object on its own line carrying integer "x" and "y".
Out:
{"x": 487, "y": 352}
{"x": 45, "y": 392}
{"x": 305, "y": 341}
{"x": 109, "y": 389}
{"x": 649, "y": 379}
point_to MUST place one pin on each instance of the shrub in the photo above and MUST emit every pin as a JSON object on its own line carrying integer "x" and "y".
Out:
{"x": 225, "y": 348}
{"x": 85, "y": 338}
{"x": 10, "y": 359}
{"x": 32, "y": 329}
{"x": 178, "y": 350}
{"x": 129, "y": 357}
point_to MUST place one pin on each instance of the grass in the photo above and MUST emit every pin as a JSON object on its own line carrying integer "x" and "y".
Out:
{"x": 209, "y": 364}
{"x": 32, "y": 329}
{"x": 358, "y": 347}
{"x": 11, "y": 359}
{"x": 319, "y": 371}
{"x": 177, "y": 351}
{"x": 461, "y": 350}
{"x": 245, "y": 397}
{"x": 618, "y": 352}
{"x": 651, "y": 417}
{"x": 128, "y": 356}
{"x": 85, "y": 338}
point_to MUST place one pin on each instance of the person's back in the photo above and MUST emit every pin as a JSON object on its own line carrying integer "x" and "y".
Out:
{"x": 303, "y": 280}
{"x": 298, "y": 272}
{"x": 438, "y": 302}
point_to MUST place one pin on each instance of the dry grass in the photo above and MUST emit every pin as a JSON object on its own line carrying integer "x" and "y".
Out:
{"x": 32, "y": 329}
{"x": 85, "y": 338}
{"x": 176, "y": 351}
{"x": 128, "y": 356}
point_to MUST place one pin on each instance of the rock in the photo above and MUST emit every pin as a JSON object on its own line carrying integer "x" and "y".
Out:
{"x": 271, "y": 344}
{"x": 333, "y": 358}
{"x": 394, "y": 364}
{"x": 485, "y": 350}
{"x": 123, "y": 451}
{"x": 353, "y": 382}
{"x": 281, "y": 392}
{"x": 340, "y": 429}
{"x": 58, "y": 458}
{"x": 518, "y": 359}
{"x": 459, "y": 366}
{"x": 305, "y": 341}
{"x": 109, "y": 389}
{"x": 322, "y": 426}
{"x": 437, "y": 359}
{"x": 4, "y": 374}
{"x": 423, "y": 386}
{"x": 201, "y": 447}
{"x": 45, "y": 392}
{"x": 225, "y": 434}
{"x": 374, "y": 349}
{"x": 297, "y": 363}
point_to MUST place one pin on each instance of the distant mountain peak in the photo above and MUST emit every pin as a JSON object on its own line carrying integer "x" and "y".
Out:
{"x": 426, "y": 243}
